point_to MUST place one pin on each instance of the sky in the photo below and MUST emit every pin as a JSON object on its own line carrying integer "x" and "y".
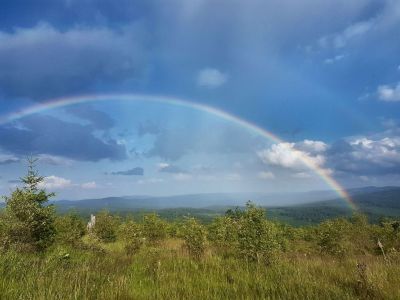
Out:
{"x": 323, "y": 76}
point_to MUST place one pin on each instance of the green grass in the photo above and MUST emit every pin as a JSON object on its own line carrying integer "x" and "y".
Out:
{"x": 166, "y": 272}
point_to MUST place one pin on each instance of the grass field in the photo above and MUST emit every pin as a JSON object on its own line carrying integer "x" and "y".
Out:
{"x": 167, "y": 272}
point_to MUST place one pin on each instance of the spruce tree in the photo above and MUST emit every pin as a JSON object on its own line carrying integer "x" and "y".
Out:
{"x": 28, "y": 222}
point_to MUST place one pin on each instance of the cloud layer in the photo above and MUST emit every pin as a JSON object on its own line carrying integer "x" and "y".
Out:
{"x": 40, "y": 134}
{"x": 43, "y": 61}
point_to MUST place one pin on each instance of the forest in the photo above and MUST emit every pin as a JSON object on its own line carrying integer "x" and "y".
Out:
{"x": 239, "y": 255}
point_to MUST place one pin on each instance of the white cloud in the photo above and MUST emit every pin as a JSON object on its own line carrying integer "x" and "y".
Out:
{"x": 381, "y": 151}
{"x": 341, "y": 39}
{"x": 351, "y": 32}
{"x": 282, "y": 154}
{"x": 266, "y": 175}
{"x": 312, "y": 146}
{"x": 163, "y": 165}
{"x": 334, "y": 59}
{"x": 367, "y": 155}
{"x": 389, "y": 93}
{"x": 211, "y": 78}
{"x": 288, "y": 155}
{"x": 55, "y": 182}
{"x": 8, "y": 159}
{"x": 89, "y": 185}
{"x": 59, "y": 183}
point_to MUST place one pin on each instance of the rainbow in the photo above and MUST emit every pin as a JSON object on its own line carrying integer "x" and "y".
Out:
{"x": 62, "y": 102}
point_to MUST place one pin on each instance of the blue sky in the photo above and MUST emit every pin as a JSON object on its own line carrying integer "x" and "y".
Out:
{"x": 322, "y": 75}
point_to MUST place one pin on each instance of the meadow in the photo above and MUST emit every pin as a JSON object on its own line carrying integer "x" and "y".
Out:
{"x": 155, "y": 259}
{"x": 241, "y": 254}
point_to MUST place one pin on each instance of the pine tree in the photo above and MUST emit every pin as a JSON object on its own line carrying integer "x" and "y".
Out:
{"x": 28, "y": 223}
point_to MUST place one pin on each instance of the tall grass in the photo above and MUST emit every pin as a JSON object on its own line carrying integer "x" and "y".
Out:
{"x": 165, "y": 271}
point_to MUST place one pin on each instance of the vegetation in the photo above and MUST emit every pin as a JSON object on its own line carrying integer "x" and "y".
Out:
{"x": 106, "y": 227}
{"x": 27, "y": 223}
{"x": 240, "y": 255}
{"x": 194, "y": 236}
{"x": 70, "y": 229}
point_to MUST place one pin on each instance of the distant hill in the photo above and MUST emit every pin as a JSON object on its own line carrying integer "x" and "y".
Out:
{"x": 295, "y": 208}
{"x": 375, "y": 202}
{"x": 195, "y": 200}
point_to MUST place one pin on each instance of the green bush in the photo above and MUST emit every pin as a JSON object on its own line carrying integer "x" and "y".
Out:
{"x": 132, "y": 234}
{"x": 154, "y": 228}
{"x": 194, "y": 236}
{"x": 70, "y": 229}
{"x": 257, "y": 238}
{"x": 223, "y": 234}
{"x": 388, "y": 233}
{"x": 333, "y": 237}
{"x": 106, "y": 226}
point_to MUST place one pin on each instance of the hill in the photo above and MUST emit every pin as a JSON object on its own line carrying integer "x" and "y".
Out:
{"x": 294, "y": 208}
{"x": 375, "y": 202}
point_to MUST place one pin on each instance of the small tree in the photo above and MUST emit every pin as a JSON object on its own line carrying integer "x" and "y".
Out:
{"x": 106, "y": 227}
{"x": 223, "y": 234}
{"x": 132, "y": 234}
{"x": 28, "y": 223}
{"x": 257, "y": 238}
{"x": 388, "y": 233}
{"x": 194, "y": 235}
{"x": 154, "y": 228}
{"x": 70, "y": 229}
{"x": 333, "y": 237}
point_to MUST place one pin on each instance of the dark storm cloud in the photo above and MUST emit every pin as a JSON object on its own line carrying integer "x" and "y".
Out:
{"x": 43, "y": 61}
{"x": 137, "y": 171}
{"x": 48, "y": 135}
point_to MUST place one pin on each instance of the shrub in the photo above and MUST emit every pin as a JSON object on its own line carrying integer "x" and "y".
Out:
{"x": 257, "y": 237}
{"x": 173, "y": 229}
{"x": 333, "y": 237}
{"x": 154, "y": 228}
{"x": 223, "y": 233}
{"x": 28, "y": 223}
{"x": 361, "y": 238}
{"x": 70, "y": 229}
{"x": 106, "y": 227}
{"x": 194, "y": 235}
{"x": 132, "y": 234}
{"x": 389, "y": 235}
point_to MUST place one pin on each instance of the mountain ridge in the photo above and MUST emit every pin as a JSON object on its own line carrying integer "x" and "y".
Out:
{"x": 229, "y": 199}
